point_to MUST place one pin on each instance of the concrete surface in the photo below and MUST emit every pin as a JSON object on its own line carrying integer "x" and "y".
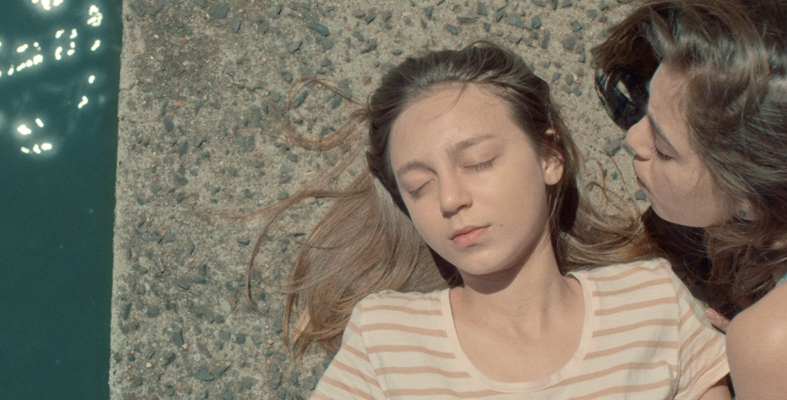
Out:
{"x": 197, "y": 140}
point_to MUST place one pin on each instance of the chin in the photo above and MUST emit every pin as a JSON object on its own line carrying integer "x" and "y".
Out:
{"x": 487, "y": 270}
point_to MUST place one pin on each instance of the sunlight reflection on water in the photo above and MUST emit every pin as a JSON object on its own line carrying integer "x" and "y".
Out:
{"x": 42, "y": 59}
{"x": 57, "y": 180}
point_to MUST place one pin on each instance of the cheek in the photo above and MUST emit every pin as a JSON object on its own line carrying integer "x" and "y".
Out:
{"x": 521, "y": 188}
{"x": 710, "y": 195}
{"x": 423, "y": 221}
{"x": 668, "y": 181}
{"x": 684, "y": 188}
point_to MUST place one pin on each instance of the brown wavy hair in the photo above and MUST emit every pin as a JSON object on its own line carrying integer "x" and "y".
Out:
{"x": 367, "y": 243}
{"x": 734, "y": 56}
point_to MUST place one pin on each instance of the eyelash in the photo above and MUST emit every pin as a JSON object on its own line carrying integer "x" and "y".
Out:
{"x": 482, "y": 166}
{"x": 417, "y": 192}
{"x": 659, "y": 154}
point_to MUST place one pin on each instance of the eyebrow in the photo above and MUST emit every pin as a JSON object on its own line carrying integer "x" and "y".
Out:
{"x": 453, "y": 151}
{"x": 467, "y": 143}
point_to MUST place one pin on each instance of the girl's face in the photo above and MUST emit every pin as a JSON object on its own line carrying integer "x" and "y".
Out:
{"x": 678, "y": 184}
{"x": 471, "y": 180}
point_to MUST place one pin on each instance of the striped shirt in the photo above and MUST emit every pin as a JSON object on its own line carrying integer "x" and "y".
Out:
{"x": 644, "y": 337}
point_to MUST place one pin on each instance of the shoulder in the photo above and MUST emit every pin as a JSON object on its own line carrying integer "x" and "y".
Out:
{"x": 389, "y": 306}
{"x": 653, "y": 271}
{"x": 638, "y": 291}
{"x": 394, "y": 298}
{"x": 648, "y": 283}
{"x": 765, "y": 322}
{"x": 634, "y": 273}
{"x": 757, "y": 346}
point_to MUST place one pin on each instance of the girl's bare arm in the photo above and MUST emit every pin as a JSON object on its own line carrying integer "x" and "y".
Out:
{"x": 757, "y": 348}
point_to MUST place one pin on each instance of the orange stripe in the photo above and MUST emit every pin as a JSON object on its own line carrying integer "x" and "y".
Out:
{"x": 346, "y": 388}
{"x": 631, "y": 327}
{"x": 408, "y": 298}
{"x": 690, "y": 339}
{"x": 404, "y": 328}
{"x": 625, "y": 389}
{"x": 420, "y": 370}
{"x": 617, "y": 368}
{"x": 642, "y": 285}
{"x": 626, "y": 273}
{"x": 632, "y": 345}
{"x": 357, "y": 373}
{"x": 685, "y": 318}
{"x": 318, "y": 396}
{"x": 702, "y": 350}
{"x": 356, "y": 352}
{"x": 406, "y": 310}
{"x": 355, "y": 328}
{"x": 405, "y": 349}
{"x": 720, "y": 359}
{"x": 636, "y": 306}
{"x": 438, "y": 392}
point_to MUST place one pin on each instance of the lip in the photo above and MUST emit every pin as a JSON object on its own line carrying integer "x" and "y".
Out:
{"x": 468, "y": 235}
{"x": 639, "y": 181}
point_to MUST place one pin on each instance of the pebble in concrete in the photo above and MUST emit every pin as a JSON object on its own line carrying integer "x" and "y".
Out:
{"x": 369, "y": 48}
{"x": 274, "y": 11}
{"x": 516, "y": 20}
{"x": 177, "y": 337}
{"x": 536, "y": 22}
{"x": 235, "y": 26}
{"x": 569, "y": 43}
{"x": 320, "y": 28}
{"x": 369, "y": 17}
{"x": 219, "y": 11}
{"x": 204, "y": 375}
{"x": 294, "y": 46}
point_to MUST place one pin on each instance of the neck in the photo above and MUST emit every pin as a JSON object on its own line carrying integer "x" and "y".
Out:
{"x": 521, "y": 299}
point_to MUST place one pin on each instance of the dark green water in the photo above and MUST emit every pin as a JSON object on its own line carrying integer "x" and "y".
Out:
{"x": 57, "y": 174}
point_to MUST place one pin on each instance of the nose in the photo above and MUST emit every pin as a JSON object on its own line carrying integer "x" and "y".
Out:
{"x": 454, "y": 196}
{"x": 638, "y": 139}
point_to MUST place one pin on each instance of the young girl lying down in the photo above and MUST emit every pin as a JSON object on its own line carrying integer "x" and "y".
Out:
{"x": 473, "y": 174}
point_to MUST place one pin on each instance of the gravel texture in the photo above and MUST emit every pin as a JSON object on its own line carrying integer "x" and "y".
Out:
{"x": 202, "y": 83}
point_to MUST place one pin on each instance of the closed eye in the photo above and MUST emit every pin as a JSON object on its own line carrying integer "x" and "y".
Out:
{"x": 417, "y": 192}
{"x": 474, "y": 168}
{"x": 482, "y": 166}
{"x": 659, "y": 154}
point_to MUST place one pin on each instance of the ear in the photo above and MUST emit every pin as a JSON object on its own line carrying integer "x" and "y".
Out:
{"x": 552, "y": 161}
{"x": 746, "y": 211}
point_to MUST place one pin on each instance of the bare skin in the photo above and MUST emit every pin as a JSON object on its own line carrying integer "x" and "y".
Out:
{"x": 757, "y": 345}
{"x": 757, "y": 348}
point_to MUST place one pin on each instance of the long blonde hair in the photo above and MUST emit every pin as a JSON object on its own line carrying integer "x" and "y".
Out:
{"x": 367, "y": 243}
